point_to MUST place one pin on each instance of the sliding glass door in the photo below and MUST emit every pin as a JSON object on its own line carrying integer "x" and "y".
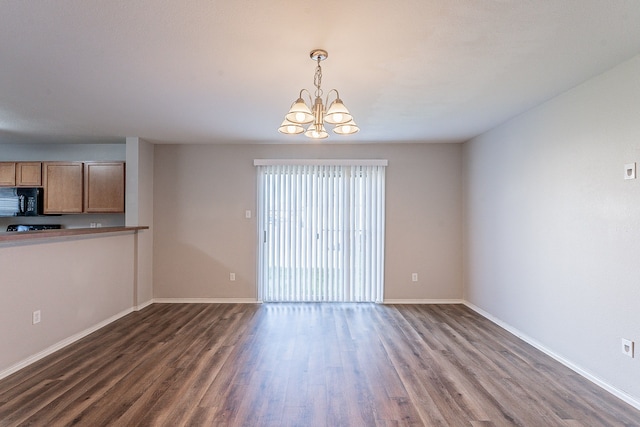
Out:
{"x": 322, "y": 232}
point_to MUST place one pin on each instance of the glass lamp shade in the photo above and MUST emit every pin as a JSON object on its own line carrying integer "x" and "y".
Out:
{"x": 316, "y": 132}
{"x": 348, "y": 128}
{"x": 299, "y": 113}
{"x": 337, "y": 113}
{"x": 289, "y": 128}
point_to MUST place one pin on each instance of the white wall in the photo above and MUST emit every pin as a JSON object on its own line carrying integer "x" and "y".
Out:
{"x": 553, "y": 230}
{"x": 201, "y": 193}
{"x": 75, "y": 282}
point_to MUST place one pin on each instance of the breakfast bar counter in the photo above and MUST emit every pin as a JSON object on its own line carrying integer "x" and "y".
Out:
{"x": 20, "y": 236}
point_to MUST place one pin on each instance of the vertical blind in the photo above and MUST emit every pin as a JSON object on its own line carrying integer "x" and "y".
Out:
{"x": 322, "y": 232}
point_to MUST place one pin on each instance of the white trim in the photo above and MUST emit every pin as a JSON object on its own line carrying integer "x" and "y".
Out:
{"x": 423, "y": 301}
{"x": 143, "y": 305}
{"x": 321, "y": 162}
{"x": 586, "y": 374}
{"x": 205, "y": 301}
{"x": 61, "y": 344}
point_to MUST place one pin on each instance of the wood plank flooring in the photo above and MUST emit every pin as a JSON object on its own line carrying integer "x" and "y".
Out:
{"x": 304, "y": 365}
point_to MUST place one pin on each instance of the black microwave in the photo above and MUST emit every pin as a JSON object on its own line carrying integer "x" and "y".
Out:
{"x": 20, "y": 201}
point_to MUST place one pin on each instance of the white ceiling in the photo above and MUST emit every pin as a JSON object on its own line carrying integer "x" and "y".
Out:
{"x": 226, "y": 71}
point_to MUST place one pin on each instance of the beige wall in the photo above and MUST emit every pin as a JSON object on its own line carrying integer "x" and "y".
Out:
{"x": 76, "y": 283}
{"x": 553, "y": 229}
{"x": 201, "y": 193}
{"x": 139, "y": 211}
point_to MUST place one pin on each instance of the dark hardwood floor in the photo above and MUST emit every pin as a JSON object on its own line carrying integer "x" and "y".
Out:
{"x": 304, "y": 365}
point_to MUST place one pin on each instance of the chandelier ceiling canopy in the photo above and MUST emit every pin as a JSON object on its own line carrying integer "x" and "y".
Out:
{"x": 301, "y": 114}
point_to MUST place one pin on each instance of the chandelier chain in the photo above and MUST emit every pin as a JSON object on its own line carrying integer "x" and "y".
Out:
{"x": 317, "y": 79}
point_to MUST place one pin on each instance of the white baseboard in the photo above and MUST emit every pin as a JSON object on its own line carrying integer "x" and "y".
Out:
{"x": 61, "y": 344}
{"x": 423, "y": 301}
{"x": 205, "y": 301}
{"x": 143, "y": 305}
{"x": 586, "y": 374}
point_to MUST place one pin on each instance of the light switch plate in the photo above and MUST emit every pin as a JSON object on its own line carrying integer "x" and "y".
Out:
{"x": 630, "y": 171}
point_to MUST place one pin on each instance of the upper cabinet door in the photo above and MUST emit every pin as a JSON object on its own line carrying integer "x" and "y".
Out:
{"x": 28, "y": 174}
{"x": 7, "y": 174}
{"x": 104, "y": 187}
{"x": 62, "y": 187}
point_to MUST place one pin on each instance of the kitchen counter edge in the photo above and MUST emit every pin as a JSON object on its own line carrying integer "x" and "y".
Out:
{"x": 19, "y": 236}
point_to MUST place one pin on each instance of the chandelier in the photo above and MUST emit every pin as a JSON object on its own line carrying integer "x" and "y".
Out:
{"x": 300, "y": 114}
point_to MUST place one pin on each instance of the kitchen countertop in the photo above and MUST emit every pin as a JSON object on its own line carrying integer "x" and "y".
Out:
{"x": 18, "y": 236}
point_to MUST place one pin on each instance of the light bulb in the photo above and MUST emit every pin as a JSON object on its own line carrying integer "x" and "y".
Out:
{"x": 337, "y": 117}
{"x": 300, "y": 117}
{"x": 291, "y": 129}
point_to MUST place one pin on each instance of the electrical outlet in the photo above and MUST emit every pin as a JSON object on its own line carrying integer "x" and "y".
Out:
{"x": 36, "y": 317}
{"x": 232, "y": 277}
{"x": 414, "y": 277}
{"x": 247, "y": 214}
{"x": 630, "y": 171}
{"x": 627, "y": 347}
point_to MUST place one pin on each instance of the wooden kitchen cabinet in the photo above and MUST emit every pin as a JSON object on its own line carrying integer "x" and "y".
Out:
{"x": 28, "y": 174}
{"x": 104, "y": 184}
{"x": 63, "y": 187}
{"x": 21, "y": 174}
{"x": 7, "y": 174}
